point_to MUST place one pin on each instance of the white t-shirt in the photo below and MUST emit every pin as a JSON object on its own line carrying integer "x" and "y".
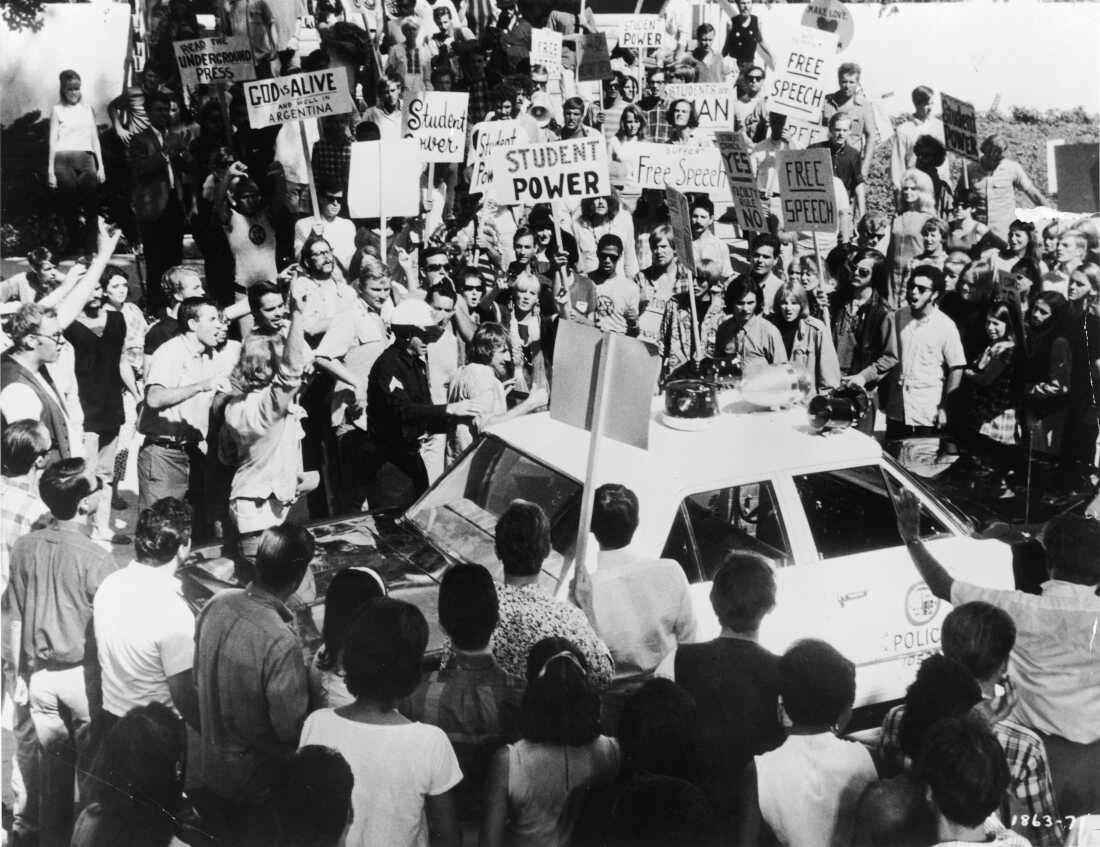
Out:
{"x": 145, "y": 633}
{"x": 395, "y": 768}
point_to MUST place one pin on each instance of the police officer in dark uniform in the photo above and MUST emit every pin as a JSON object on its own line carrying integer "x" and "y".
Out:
{"x": 400, "y": 409}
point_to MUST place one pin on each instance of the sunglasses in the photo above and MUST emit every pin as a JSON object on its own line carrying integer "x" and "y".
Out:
{"x": 436, "y": 267}
{"x": 755, "y": 78}
{"x": 921, "y": 288}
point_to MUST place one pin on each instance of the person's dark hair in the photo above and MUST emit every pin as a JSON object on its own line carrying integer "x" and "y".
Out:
{"x": 588, "y": 207}
{"x": 930, "y": 273}
{"x": 283, "y": 555}
{"x": 383, "y": 649}
{"x": 523, "y": 232}
{"x": 929, "y": 150}
{"x": 879, "y": 274}
{"x": 895, "y": 813}
{"x": 1028, "y": 267}
{"x": 136, "y": 779}
{"x": 765, "y": 239}
{"x": 488, "y": 338}
{"x": 816, "y": 682}
{"x": 63, "y": 485}
{"x": 704, "y": 29}
{"x": 656, "y": 811}
{"x": 258, "y": 291}
{"x": 469, "y": 609}
{"x": 702, "y": 201}
{"x": 161, "y": 530}
{"x": 837, "y": 118}
{"x": 63, "y": 79}
{"x": 522, "y": 538}
{"x": 573, "y": 103}
{"x": 312, "y": 801}
{"x": 979, "y": 636}
{"x": 560, "y": 705}
{"x": 38, "y": 256}
{"x": 964, "y": 766}
{"x": 614, "y": 515}
{"x": 1071, "y": 542}
{"x": 609, "y": 240}
{"x": 922, "y": 95}
{"x": 440, "y": 72}
{"x": 738, "y": 289}
{"x": 848, "y": 68}
{"x": 307, "y": 247}
{"x": 23, "y": 442}
{"x": 445, "y": 288}
{"x": 658, "y": 731}
{"x": 743, "y": 591}
{"x": 348, "y": 592}
{"x": 943, "y": 688}
{"x": 154, "y": 97}
{"x": 189, "y": 311}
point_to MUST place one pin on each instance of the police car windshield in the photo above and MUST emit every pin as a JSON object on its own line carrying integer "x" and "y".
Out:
{"x": 459, "y": 514}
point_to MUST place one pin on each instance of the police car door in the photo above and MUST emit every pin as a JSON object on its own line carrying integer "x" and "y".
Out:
{"x": 875, "y": 608}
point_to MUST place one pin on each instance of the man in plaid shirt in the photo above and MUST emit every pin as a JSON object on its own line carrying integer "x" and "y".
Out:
{"x": 25, "y": 445}
{"x": 654, "y": 106}
{"x": 979, "y": 636}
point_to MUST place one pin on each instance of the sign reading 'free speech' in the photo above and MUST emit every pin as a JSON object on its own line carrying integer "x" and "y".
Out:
{"x": 299, "y": 97}
{"x": 537, "y": 173}
{"x": 806, "y": 190}
{"x": 800, "y": 84}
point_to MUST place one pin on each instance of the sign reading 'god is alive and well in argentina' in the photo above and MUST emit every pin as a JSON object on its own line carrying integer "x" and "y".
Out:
{"x": 538, "y": 173}
{"x": 299, "y": 97}
{"x": 204, "y": 61}
{"x": 960, "y": 127}
{"x": 801, "y": 82}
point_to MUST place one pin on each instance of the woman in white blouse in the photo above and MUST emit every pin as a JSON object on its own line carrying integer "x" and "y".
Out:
{"x": 75, "y": 160}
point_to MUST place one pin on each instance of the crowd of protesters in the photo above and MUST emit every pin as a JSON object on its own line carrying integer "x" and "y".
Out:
{"x": 300, "y": 364}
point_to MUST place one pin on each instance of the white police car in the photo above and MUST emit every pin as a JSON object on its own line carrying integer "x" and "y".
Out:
{"x": 816, "y": 505}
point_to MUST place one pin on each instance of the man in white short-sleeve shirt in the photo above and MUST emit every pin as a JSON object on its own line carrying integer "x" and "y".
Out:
{"x": 145, "y": 632}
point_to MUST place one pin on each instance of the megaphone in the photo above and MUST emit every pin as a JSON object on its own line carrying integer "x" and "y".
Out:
{"x": 839, "y": 408}
{"x": 775, "y": 386}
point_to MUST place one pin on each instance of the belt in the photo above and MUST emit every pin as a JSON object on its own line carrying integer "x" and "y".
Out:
{"x": 169, "y": 443}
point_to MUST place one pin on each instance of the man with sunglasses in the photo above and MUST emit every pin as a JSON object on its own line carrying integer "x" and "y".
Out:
{"x": 338, "y": 231}
{"x": 750, "y": 109}
{"x": 930, "y": 359}
{"x": 400, "y": 411}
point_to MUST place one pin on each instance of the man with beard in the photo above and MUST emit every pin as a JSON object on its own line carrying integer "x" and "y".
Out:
{"x": 97, "y": 336}
{"x": 705, "y": 244}
{"x": 184, "y": 374}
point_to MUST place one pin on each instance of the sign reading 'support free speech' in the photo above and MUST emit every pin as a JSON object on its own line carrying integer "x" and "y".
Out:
{"x": 688, "y": 169}
{"x": 299, "y": 97}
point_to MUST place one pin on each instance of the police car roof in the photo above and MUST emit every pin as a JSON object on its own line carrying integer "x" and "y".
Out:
{"x": 742, "y": 443}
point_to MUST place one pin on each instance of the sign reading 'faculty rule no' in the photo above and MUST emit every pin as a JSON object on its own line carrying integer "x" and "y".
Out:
{"x": 299, "y": 97}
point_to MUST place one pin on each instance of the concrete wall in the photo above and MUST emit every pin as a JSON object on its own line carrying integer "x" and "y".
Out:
{"x": 89, "y": 38}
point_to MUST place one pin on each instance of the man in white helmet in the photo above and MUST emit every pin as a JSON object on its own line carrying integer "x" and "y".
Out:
{"x": 400, "y": 412}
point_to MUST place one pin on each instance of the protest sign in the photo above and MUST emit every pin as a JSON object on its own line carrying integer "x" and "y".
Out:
{"x": 751, "y": 213}
{"x": 204, "y": 61}
{"x": 803, "y": 78}
{"x": 801, "y": 134}
{"x": 1078, "y": 170}
{"x": 831, "y": 16}
{"x": 643, "y": 32}
{"x": 689, "y": 169}
{"x": 536, "y": 173}
{"x": 713, "y": 101}
{"x": 594, "y": 62}
{"x": 546, "y": 48}
{"x": 437, "y": 120}
{"x": 486, "y": 137}
{"x": 317, "y": 94}
{"x": 960, "y": 127}
{"x": 398, "y": 194}
{"x": 679, "y": 218}
{"x": 806, "y": 190}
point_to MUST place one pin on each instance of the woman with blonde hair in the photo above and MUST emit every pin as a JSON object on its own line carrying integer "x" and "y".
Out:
{"x": 916, "y": 204}
{"x": 807, "y": 339}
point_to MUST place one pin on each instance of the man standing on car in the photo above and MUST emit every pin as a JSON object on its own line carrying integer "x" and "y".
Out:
{"x": 930, "y": 359}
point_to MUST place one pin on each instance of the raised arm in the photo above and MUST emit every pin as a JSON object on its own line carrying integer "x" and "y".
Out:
{"x": 907, "y": 509}
{"x": 71, "y": 305}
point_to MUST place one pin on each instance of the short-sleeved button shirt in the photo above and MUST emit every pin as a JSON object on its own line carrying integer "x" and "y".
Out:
{"x": 178, "y": 362}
